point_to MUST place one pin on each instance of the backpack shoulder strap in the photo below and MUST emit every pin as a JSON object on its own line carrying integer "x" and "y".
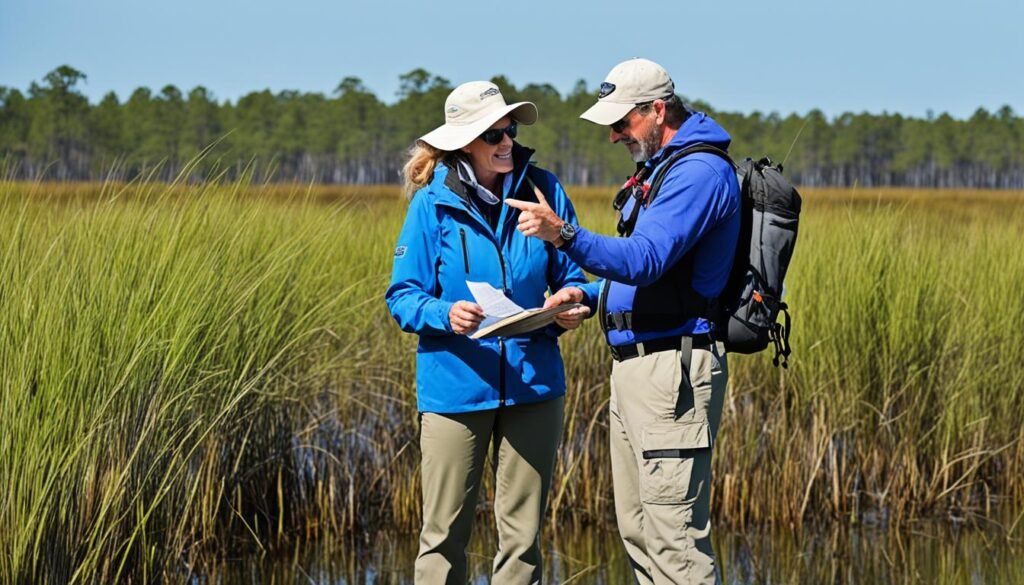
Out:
{"x": 659, "y": 176}
{"x": 626, "y": 224}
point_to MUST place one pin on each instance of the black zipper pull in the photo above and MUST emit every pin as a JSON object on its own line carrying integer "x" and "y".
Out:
{"x": 465, "y": 250}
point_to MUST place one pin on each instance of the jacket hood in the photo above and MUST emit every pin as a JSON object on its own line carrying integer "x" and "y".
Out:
{"x": 699, "y": 128}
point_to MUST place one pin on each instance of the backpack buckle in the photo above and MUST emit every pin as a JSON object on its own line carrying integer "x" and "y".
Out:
{"x": 619, "y": 320}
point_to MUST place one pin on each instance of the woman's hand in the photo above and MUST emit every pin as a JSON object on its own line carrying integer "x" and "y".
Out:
{"x": 572, "y": 318}
{"x": 465, "y": 317}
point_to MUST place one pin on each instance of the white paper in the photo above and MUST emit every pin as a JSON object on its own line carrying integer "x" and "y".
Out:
{"x": 494, "y": 303}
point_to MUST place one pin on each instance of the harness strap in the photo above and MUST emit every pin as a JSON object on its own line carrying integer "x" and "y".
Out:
{"x": 686, "y": 350}
{"x": 619, "y": 320}
{"x": 639, "y": 190}
{"x": 779, "y": 335}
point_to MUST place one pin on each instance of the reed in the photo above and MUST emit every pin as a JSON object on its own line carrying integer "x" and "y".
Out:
{"x": 190, "y": 370}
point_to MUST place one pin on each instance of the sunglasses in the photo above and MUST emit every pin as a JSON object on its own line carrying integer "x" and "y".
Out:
{"x": 495, "y": 135}
{"x": 622, "y": 124}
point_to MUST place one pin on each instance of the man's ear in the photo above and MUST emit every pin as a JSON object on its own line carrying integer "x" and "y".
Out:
{"x": 659, "y": 109}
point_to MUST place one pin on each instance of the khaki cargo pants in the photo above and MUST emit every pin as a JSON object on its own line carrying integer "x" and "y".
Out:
{"x": 524, "y": 439}
{"x": 663, "y": 425}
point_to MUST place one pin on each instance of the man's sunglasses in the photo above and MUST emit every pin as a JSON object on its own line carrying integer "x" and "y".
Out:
{"x": 494, "y": 135}
{"x": 622, "y": 124}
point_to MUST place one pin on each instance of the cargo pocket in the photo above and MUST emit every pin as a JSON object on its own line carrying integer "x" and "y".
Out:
{"x": 669, "y": 449}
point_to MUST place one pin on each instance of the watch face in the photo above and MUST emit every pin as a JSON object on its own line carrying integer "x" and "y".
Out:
{"x": 567, "y": 232}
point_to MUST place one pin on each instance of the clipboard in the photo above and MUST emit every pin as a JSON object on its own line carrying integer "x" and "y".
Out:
{"x": 524, "y": 322}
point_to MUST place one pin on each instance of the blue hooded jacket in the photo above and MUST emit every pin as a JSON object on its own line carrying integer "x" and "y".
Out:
{"x": 696, "y": 208}
{"x": 445, "y": 242}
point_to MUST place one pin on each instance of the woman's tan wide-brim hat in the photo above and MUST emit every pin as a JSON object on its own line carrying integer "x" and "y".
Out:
{"x": 472, "y": 108}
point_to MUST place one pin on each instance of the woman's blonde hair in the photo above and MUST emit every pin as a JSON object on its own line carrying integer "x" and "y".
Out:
{"x": 419, "y": 170}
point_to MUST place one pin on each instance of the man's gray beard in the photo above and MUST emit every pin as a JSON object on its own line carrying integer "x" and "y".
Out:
{"x": 648, "y": 145}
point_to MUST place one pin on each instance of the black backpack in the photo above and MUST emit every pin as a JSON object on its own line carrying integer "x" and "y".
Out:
{"x": 746, "y": 312}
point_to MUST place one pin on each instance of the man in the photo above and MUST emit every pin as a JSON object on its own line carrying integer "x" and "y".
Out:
{"x": 656, "y": 306}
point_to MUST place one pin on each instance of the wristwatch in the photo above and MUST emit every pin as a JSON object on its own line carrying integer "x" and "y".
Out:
{"x": 567, "y": 232}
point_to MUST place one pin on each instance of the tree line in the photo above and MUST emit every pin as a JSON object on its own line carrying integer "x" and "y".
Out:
{"x": 53, "y": 132}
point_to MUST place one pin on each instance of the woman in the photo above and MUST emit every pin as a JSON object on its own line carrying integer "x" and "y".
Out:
{"x": 502, "y": 392}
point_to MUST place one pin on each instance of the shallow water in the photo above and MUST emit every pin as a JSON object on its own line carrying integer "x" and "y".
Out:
{"x": 929, "y": 554}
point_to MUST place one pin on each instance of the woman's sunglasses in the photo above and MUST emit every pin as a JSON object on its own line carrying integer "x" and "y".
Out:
{"x": 494, "y": 135}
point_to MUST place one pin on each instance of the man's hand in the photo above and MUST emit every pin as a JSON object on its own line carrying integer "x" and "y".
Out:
{"x": 538, "y": 219}
{"x": 465, "y": 317}
{"x": 572, "y": 318}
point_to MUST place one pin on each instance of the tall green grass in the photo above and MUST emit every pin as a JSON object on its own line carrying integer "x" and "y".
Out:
{"x": 165, "y": 354}
{"x": 904, "y": 398}
{"x": 191, "y": 371}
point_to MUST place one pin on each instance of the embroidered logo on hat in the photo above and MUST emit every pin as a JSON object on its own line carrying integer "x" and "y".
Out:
{"x": 489, "y": 93}
{"x": 606, "y": 90}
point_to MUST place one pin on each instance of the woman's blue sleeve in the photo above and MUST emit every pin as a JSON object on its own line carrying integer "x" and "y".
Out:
{"x": 411, "y": 296}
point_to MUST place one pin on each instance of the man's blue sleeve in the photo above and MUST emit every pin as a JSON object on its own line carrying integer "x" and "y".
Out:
{"x": 410, "y": 298}
{"x": 684, "y": 209}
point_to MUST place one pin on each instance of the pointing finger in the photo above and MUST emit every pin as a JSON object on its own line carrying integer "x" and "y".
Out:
{"x": 540, "y": 198}
{"x": 521, "y": 205}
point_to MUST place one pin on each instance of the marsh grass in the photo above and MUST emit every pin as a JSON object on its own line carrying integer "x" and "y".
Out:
{"x": 191, "y": 371}
{"x": 165, "y": 352}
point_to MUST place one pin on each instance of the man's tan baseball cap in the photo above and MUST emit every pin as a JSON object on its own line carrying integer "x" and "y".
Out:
{"x": 629, "y": 83}
{"x": 472, "y": 108}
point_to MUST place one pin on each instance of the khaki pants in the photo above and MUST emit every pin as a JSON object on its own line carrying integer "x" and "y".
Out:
{"x": 524, "y": 439}
{"x": 663, "y": 427}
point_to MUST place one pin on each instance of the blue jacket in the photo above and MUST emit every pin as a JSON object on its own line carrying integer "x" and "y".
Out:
{"x": 445, "y": 242}
{"x": 697, "y": 208}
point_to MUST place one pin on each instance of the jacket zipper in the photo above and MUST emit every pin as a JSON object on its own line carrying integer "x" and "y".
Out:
{"x": 504, "y": 290}
{"x": 501, "y": 372}
{"x": 465, "y": 250}
{"x": 501, "y": 341}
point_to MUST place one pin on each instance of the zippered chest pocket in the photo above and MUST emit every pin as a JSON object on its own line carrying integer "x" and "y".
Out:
{"x": 469, "y": 255}
{"x": 465, "y": 249}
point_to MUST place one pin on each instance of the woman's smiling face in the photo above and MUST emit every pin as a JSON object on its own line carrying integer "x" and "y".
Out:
{"x": 491, "y": 160}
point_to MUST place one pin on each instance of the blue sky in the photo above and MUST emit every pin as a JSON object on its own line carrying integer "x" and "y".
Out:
{"x": 896, "y": 56}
